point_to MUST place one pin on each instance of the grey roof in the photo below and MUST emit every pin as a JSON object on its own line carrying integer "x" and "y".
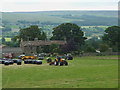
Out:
{"x": 40, "y": 42}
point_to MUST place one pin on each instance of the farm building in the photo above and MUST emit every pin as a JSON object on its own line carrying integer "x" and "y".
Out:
{"x": 29, "y": 47}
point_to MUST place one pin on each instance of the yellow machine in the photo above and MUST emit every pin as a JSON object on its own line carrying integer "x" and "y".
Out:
{"x": 28, "y": 57}
{"x": 60, "y": 61}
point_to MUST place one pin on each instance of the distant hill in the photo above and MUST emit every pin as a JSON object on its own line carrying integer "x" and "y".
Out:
{"x": 12, "y": 22}
{"x": 57, "y": 17}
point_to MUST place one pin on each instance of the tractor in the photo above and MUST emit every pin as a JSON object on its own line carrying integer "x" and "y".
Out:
{"x": 48, "y": 60}
{"x": 59, "y": 61}
{"x": 28, "y": 57}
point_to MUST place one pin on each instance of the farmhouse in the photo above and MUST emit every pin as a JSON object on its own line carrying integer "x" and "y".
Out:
{"x": 29, "y": 47}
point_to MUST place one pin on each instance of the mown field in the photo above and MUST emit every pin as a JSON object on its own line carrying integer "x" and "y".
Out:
{"x": 82, "y": 72}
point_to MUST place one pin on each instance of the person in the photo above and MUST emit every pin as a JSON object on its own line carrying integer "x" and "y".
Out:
{"x": 49, "y": 60}
{"x": 58, "y": 57}
{"x": 65, "y": 56}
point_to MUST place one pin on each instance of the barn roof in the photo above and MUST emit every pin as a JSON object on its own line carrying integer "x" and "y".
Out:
{"x": 40, "y": 42}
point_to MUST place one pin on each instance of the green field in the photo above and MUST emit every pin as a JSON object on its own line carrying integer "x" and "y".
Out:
{"x": 7, "y": 39}
{"x": 82, "y": 72}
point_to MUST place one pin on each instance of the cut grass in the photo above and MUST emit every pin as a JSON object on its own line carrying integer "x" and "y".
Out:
{"x": 84, "y": 72}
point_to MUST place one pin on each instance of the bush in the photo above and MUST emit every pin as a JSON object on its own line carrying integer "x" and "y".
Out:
{"x": 90, "y": 49}
{"x": 103, "y": 47}
{"x": 76, "y": 53}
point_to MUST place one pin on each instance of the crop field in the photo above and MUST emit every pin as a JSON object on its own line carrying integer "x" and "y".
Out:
{"x": 82, "y": 72}
{"x": 94, "y": 26}
{"x": 7, "y": 39}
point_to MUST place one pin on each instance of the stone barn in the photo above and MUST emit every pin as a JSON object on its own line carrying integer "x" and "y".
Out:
{"x": 29, "y": 47}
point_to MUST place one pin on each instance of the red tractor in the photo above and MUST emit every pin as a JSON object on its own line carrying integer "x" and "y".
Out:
{"x": 9, "y": 56}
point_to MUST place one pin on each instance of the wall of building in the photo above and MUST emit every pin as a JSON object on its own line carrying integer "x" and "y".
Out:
{"x": 16, "y": 51}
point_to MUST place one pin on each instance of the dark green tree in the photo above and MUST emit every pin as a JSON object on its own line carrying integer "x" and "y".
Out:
{"x": 15, "y": 38}
{"x": 43, "y": 36}
{"x": 46, "y": 49}
{"x": 69, "y": 47}
{"x": 112, "y": 36}
{"x": 3, "y": 40}
{"x": 90, "y": 49}
{"x": 103, "y": 47}
{"x": 53, "y": 47}
{"x": 69, "y": 31}
{"x": 30, "y": 33}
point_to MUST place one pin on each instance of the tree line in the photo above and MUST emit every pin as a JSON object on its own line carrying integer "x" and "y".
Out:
{"x": 76, "y": 41}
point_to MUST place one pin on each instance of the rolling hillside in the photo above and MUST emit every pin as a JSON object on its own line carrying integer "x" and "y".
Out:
{"x": 14, "y": 21}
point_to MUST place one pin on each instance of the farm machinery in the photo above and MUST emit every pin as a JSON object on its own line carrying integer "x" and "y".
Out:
{"x": 29, "y": 61}
{"x": 58, "y": 61}
{"x": 6, "y": 61}
{"x": 27, "y": 57}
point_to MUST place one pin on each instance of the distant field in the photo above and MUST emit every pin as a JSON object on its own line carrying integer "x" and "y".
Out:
{"x": 1, "y": 27}
{"x": 58, "y": 17}
{"x": 49, "y": 19}
{"x": 7, "y": 39}
{"x": 93, "y": 26}
{"x": 82, "y": 72}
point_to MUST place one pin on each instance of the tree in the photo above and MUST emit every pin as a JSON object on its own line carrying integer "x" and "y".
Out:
{"x": 53, "y": 47}
{"x": 70, "y": 46}
{"x": 69, "y": 31}
{"x": 30, "y": 33}
{"x": 14, "y": 39}
{"x": 46, "y": 49}
{"x": 112, "y": 36}
{"x": 43, "y": 36}
{"x": 3, "y": 40}
{"x": 90, "y": 49}
{"x": 103, "y": 47}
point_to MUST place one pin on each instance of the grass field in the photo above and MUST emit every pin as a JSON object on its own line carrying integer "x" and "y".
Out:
{"x": 7, "y": 39}
{"x": 82, "y": 72}
{"x": 94, "y": 26}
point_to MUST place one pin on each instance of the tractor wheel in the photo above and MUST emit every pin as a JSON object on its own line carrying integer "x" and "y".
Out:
{"x": 25, "y": 62}
{"x": 18, "y": 63}
{"x": 6, "y": 63}
{"x": 56, "y": 63}
{"x": 66, "y": 63}
{"x": 24, "y": 59}
{"x": 50, "y": 64}
{"x": 49, "y": 60}
{"x": 60, "y": 63}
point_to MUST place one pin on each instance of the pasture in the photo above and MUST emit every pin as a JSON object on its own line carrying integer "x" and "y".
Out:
{"x": 82, "y": 72}
{"x": 7, "y": 39}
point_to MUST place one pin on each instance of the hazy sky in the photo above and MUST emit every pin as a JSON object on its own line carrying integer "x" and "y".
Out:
{"x": 47, "y": 5}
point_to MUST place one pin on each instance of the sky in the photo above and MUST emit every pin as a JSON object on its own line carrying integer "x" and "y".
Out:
{"x": 51, "y": 5}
